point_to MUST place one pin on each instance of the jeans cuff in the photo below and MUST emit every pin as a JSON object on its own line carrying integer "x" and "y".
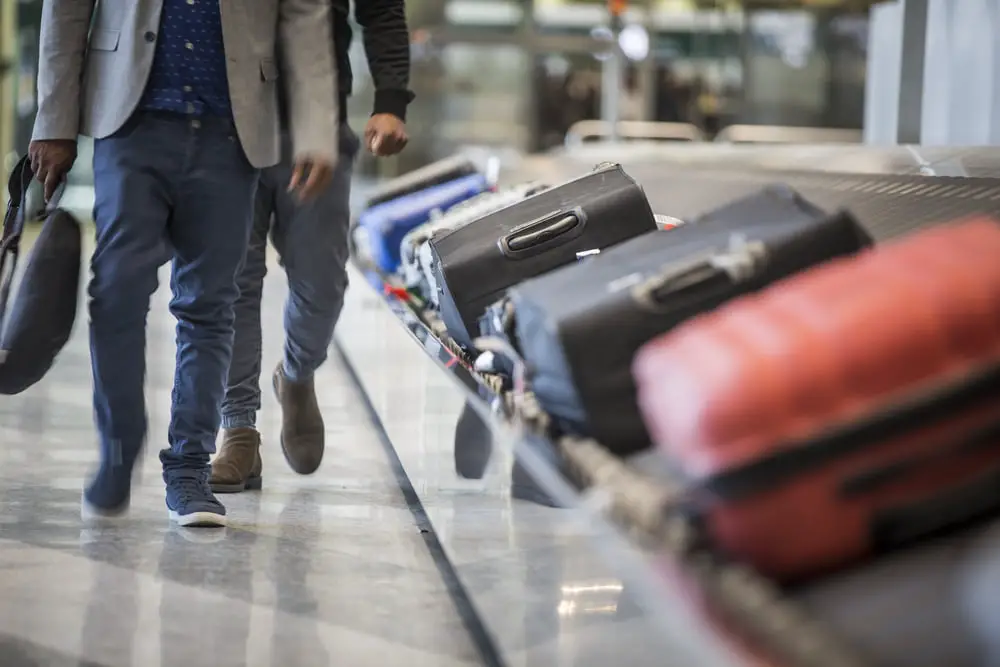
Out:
{"x": 246, "y": 419}
{"x": 294, "y": 374}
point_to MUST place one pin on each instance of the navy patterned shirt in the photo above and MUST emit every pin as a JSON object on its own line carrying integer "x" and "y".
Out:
{"x": 189, "y": 66}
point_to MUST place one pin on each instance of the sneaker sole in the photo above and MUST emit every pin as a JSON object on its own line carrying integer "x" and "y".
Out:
{"x": 198, "y": 519}
{"x": 252, "y": 484}
{"x": 93, "y": 514}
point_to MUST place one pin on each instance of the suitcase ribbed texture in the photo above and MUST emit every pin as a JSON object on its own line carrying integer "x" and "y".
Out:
{"x": 822, "y": 346}
{"x": 847, "y": 409}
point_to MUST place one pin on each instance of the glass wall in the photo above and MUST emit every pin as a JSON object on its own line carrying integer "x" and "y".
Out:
{"x": 711, "y": 63}
{"x": 518, "y": 73}
{"x": 805, "y": 68}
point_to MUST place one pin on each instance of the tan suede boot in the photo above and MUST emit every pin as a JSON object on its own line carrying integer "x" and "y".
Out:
{"x": 302, "y": 430}
{"x": 237, "y": 466}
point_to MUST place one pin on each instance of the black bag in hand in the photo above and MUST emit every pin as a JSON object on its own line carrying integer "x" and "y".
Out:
{"x": 36, "y": 322}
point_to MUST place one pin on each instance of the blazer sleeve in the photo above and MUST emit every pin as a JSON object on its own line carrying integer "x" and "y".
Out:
{"x": 62, "y": 46}
{"x": 310, "y": 77}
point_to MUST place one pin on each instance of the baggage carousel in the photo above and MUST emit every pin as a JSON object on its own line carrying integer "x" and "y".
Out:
{"x": 542, "y": 575}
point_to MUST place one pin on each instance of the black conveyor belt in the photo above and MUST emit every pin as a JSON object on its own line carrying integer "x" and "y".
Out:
{"x": 887, "y": 204}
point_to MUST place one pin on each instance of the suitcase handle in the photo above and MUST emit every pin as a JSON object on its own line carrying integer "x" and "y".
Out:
{"x": 536, "y": 233}
{"x": 899, "y": 526}
{"x": 739, "y": 263}
{"x": 797, "y": 457}
{"x": 876, "y": 478}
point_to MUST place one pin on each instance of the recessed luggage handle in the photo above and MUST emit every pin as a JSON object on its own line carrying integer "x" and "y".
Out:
{"x": 740, "y": 262}
{"x": 904, "y": 524}
{"x": 540, "y": 230}
{"x": 874, "y": 479}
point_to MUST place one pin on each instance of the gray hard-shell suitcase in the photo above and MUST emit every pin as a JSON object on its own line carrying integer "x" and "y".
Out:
{"x": 475, "y": 264}
{"x": 416, "y": 261}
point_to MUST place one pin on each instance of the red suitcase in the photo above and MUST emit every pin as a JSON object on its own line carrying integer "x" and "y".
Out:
{"x": 848, "y": 409}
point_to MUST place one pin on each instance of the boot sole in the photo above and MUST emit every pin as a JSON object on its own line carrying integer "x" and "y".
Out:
{"x": 297, "y": 468}
{"x": 252, "y": 484}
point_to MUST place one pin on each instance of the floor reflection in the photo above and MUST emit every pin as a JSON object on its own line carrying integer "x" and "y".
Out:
{"x": 290, "y": 569}
{"x": 474, "y": 451}
{"x": 312, "y": 571}
{"x": 111, "y": 617}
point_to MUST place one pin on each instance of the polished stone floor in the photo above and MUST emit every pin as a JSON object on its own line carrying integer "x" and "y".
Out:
{"x": 550, "y": 586}
{"x": 331, "y": 569}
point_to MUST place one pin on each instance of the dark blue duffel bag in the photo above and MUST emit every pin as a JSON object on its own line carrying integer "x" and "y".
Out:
{"x": 36, "y": 321}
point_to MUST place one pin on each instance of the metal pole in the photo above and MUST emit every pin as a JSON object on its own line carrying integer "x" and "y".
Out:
{"x": 613, "y": 71}
{"x": 8, "y": 42}
{"x": 648, "y": 72}
{"x": 911, "y": 75}
{"x": 529, "y": 42}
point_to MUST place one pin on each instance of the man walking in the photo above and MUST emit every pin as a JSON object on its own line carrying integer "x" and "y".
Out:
{"x": 181, "y": 99}
{"x": 311, "y": 240}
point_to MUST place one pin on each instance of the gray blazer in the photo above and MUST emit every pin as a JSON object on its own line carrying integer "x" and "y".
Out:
{"x": 96, "y": 58}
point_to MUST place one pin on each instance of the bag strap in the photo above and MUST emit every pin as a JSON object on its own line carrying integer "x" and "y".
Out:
{"x": 17, "y": 188}
{"x": 13, "y": 226}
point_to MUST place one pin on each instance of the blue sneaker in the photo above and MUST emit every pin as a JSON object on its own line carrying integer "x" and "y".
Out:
{"x": 108, "y": 494}
{"x": 190, "y": 500}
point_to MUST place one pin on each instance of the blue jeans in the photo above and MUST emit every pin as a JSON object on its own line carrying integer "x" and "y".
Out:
{"x": 168, "y": 188}
{"x": 311, "y": 240}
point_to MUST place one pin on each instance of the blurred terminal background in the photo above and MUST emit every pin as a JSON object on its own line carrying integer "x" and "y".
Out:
{"x": 520, "y": 75}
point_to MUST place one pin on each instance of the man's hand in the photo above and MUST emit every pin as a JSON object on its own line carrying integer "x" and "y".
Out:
{"x": 310, "y": 176}
{"x": 51, "y": 160}
{"x": 385, "y": 135}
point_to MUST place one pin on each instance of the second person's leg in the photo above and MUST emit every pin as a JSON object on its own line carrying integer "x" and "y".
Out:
{"x": 238, "y": 466}
{"x": 311, "y": 239}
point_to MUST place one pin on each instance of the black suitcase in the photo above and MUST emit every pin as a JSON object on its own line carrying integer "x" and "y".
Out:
{"x": 578, "y": 328}
{"x": 432, "y": 174}
{"x": 475, "y": 264}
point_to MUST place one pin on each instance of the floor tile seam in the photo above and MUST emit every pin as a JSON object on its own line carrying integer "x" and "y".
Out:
{"x": 484, "y": 642}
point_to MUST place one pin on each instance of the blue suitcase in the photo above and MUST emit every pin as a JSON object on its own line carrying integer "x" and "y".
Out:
{"x": 386, "y": 224}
